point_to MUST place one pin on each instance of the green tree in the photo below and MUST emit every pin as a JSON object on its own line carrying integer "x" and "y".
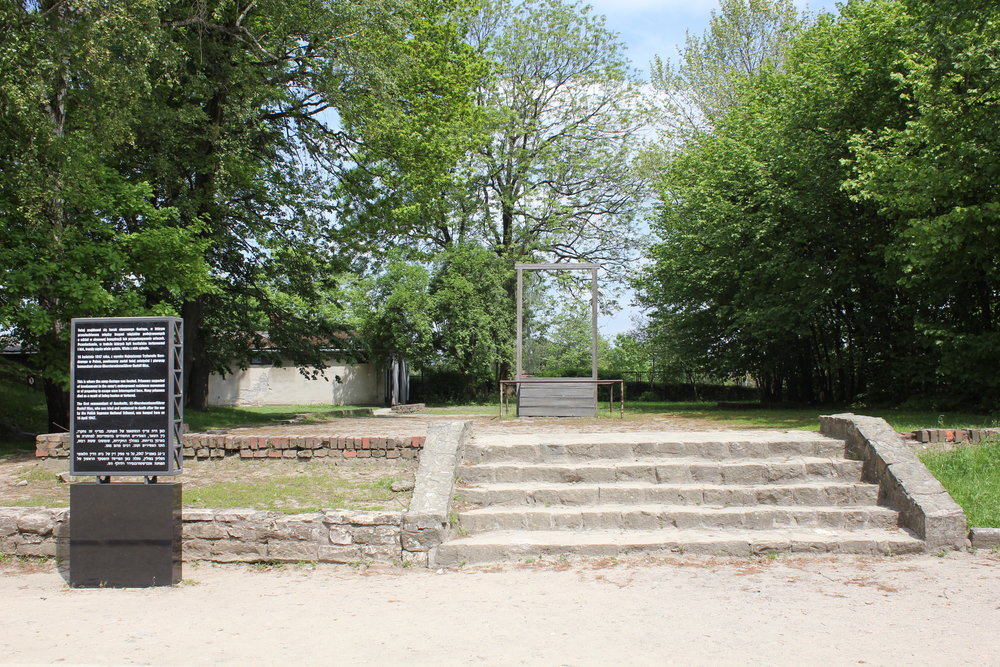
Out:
{"x": 78, "y": 237}
{"x": 242, "y": 141}
{"x": 936, "y": 177}
{"x": 474, "y": 321}
{"x": 542, "y": 165}
{"x": 393, "y": 314}
{"x": 743, "y": 38}
{"x": 766, "y": 266}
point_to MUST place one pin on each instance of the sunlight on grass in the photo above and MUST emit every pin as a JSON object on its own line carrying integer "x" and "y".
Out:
{"x": 971, "y": 473}
{"x": 225, "y": 417}
{"x": 298, "y": 493}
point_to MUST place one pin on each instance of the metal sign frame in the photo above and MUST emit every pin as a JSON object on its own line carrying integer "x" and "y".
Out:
{"x": 137, "y": 423}
{"x": 521, "y": 268}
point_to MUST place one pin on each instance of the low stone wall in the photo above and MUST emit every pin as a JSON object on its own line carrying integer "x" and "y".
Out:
{"x": 232, "y": 535}
{"x": 985, "y": 538}
{"x": 331, "y": 536}
{"x": 34, "y": 531}
{"x": 904, "y": 482}
{"x": 212, "y": 446}
{"x": 426, "y": 523}
{"x": 955, "y": 434}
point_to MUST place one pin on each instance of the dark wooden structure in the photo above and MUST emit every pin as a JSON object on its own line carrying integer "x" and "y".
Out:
{"x": 550, "y": 397}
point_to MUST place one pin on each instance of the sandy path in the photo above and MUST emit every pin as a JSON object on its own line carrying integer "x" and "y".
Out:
{"x": 787, "y": 611}
{"x": 392, "y": 425}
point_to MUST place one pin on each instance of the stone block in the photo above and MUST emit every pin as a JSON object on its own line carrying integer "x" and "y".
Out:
{"x": 362, "y": 517}
{"x": 340, "y": 535}
{"x": 38, "y": 523}
{"x": 43, "y": 548}
{"x": 225, "y": 551}
{"x": 341, "y": 554}
{"x": 302, "y": 529}
{"x": 292, "y": 550}
{"x": 376, "y": 535}
{"x": 203, "y": 530}
{"x": 985, "y": 538}
{"x": 8, "y": 521}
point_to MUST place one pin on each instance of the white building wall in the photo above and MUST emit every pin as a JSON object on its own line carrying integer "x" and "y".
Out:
{"x": 344, "y": 384}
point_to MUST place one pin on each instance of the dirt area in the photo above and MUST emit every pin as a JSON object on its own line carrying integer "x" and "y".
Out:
{"x": 392, "y": 425}
{"x": 289, "y": 486}
{"x": 922, "y": 610}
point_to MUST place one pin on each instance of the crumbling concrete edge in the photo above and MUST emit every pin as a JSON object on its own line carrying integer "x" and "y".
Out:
{"x": 985, "y": 538}
{"x": 905, "y": 484}
{"x": 425, "y": 524}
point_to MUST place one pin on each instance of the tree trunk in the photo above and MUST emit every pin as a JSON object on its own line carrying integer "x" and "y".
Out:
{"x": 196, "y": 365}
{"x": 57, "y": 405}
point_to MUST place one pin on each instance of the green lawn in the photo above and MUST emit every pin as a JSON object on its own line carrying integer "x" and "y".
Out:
{"x": 294, "y": 494}
{"x": 807, "y": 418}
{"x": 971, "y": 473}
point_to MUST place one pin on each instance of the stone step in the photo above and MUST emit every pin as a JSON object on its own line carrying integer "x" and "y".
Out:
{"x": 666, "y": 471}
{"x": 516, "y": 545}
{"x": 827, "y": 493}
{"x": 717, "y": 445}
{"x": 653, "y": 517}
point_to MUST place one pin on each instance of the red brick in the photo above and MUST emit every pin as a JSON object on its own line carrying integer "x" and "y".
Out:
{"x": 365, "y": 443}
{"x": 350, "y": 454}
{"x": 41, "y": 453}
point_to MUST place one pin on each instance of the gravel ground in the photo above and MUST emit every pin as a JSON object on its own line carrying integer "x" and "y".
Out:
{"x": 922, "y": 610}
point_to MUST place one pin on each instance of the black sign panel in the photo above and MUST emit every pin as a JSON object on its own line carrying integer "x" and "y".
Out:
{"x": 126, "y": 396}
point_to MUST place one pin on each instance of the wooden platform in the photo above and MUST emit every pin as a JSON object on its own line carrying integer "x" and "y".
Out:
{"x": 557, "y": 399}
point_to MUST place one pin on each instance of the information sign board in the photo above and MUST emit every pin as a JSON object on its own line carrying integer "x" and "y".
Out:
{"x": 125, "y": 396}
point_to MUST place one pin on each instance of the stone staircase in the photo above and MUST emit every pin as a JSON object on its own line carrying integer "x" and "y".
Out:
{"x": 722, "y": 493}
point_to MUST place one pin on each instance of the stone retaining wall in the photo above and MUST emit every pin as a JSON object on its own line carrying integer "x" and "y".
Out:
{"x": 233, "y": 535}
{"x": 217, "y": 446}
{"x": 904, "y": 482}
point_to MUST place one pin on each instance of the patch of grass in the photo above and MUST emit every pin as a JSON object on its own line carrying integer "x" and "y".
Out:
{"x": 295, "y": 494}
{"x": 225, "y": 417}
{"x": 803, "y": 418}
{"x": 971, "y": 473}
{"x": 38, "y": 501}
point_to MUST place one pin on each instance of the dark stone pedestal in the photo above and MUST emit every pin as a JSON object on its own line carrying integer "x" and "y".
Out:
{"x": 124, "y": 535}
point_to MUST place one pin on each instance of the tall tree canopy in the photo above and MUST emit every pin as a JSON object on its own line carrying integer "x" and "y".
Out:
{"x": 179, "y": 157}
{"x": 545, "y": 163}
{"x": 802, "y": 240}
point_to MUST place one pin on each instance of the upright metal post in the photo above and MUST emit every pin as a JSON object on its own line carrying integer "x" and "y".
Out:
{"x": 593, "y": 324}
{"x": 520, "y": 325}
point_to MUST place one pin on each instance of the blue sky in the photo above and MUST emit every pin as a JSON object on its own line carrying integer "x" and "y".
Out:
{"x": 657, "y": 27}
